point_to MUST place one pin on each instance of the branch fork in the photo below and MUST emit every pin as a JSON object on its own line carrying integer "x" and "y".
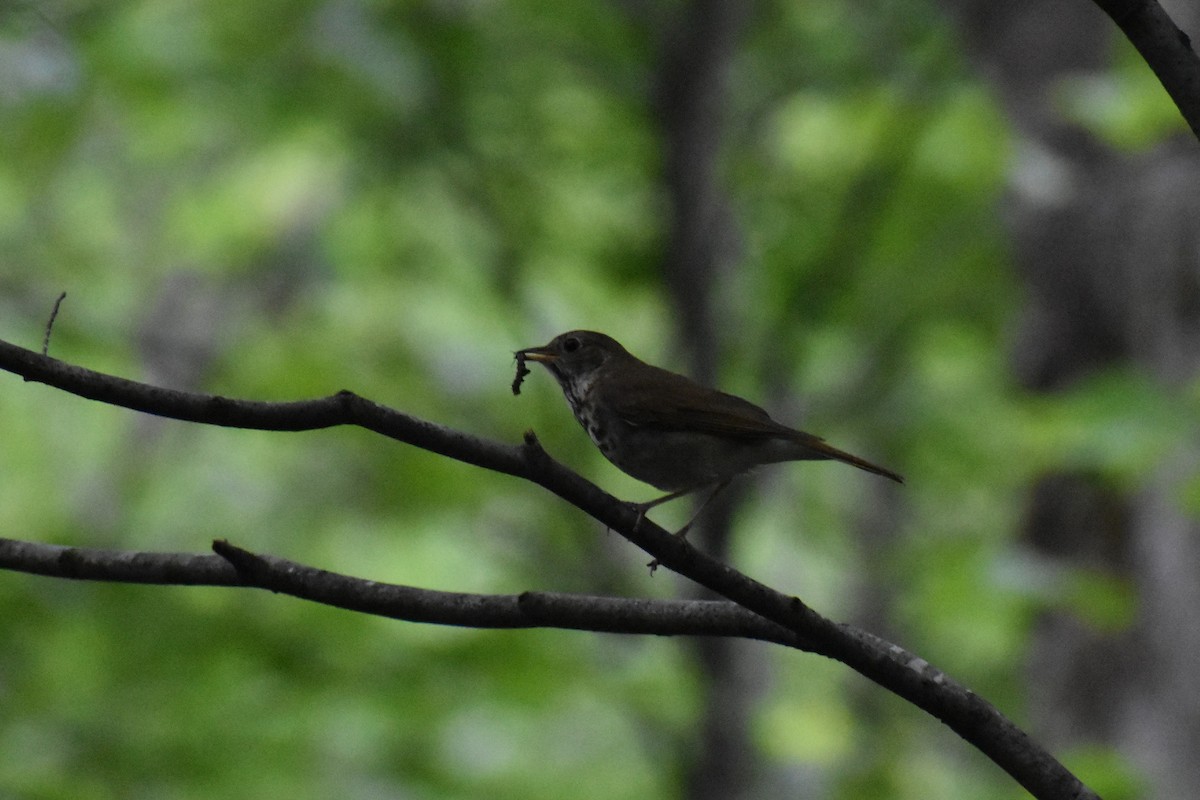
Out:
{"x": 750, "y": 609}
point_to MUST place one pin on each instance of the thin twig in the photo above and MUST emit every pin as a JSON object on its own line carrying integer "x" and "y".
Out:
{"x": 50, "y": 323}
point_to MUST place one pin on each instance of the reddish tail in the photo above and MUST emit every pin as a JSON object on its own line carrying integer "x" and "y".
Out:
{"x": 823, "y": 450}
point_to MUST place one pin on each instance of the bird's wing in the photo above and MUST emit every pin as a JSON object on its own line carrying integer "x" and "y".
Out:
{"x": 667, "y": 401}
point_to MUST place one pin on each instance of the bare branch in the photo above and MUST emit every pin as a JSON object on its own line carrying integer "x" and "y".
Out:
{"x": 234, "y": 566}
{"x": 1165, "y": 48}
{"x": 887, "y": 664}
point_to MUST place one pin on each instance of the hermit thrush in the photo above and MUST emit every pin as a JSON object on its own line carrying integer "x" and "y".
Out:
{"x": 665, "y": 429}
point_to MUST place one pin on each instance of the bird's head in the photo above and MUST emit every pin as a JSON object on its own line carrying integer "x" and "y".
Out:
{"x": 575, "y": 356}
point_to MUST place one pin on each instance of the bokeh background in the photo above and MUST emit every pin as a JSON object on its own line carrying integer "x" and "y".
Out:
{"x": 959, "y": 239}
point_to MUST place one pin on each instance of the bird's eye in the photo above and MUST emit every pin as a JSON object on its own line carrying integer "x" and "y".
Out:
{"x": 571, "y": 344}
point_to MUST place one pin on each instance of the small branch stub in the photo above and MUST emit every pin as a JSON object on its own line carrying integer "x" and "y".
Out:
{"x": 247, "y": 564}
{"x": 534, "y": 452}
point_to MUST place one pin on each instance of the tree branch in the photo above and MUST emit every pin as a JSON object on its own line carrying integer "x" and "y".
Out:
{"x": 234, "y": 566}
{"x": 887, "y": 664}
{"x": 1165, "y": 48}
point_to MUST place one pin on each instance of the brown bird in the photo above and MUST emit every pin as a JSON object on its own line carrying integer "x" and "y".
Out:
{"x": 666, "y": 429}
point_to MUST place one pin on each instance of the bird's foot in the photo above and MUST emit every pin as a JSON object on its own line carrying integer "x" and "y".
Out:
{"x": 680, "y": 534}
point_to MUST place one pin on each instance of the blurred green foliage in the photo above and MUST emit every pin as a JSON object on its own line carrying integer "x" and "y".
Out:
{"x": 391, "y": 198}
{"x": 1126, "y": 106}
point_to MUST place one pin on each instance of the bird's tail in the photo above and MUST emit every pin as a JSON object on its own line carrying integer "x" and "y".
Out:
{"x": 820, "y": 449}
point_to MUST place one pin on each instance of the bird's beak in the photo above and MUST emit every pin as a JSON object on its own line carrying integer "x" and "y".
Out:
{"x": 543, "y": 355}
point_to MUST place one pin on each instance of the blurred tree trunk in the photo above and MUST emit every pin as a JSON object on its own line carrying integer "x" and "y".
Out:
{"x": 691, "y": 103}
{"x": 1108, "y": 249}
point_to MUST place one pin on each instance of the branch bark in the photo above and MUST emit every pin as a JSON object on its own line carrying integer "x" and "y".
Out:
{"x": 235, "y": 566}
{"x": 1165, "y": 47}
{"x": 790, "y": 621}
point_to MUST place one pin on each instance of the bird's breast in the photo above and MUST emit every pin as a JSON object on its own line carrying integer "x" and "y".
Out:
{"x": 599, "y": 429}
{"x": 671, "y": 460}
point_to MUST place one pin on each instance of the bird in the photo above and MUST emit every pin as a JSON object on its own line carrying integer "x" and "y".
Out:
{"x": 665, "y": 429}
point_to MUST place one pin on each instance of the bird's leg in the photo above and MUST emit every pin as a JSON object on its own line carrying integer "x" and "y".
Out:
{"x": 642, "y": 508}
{"x": 682, "y": 532}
